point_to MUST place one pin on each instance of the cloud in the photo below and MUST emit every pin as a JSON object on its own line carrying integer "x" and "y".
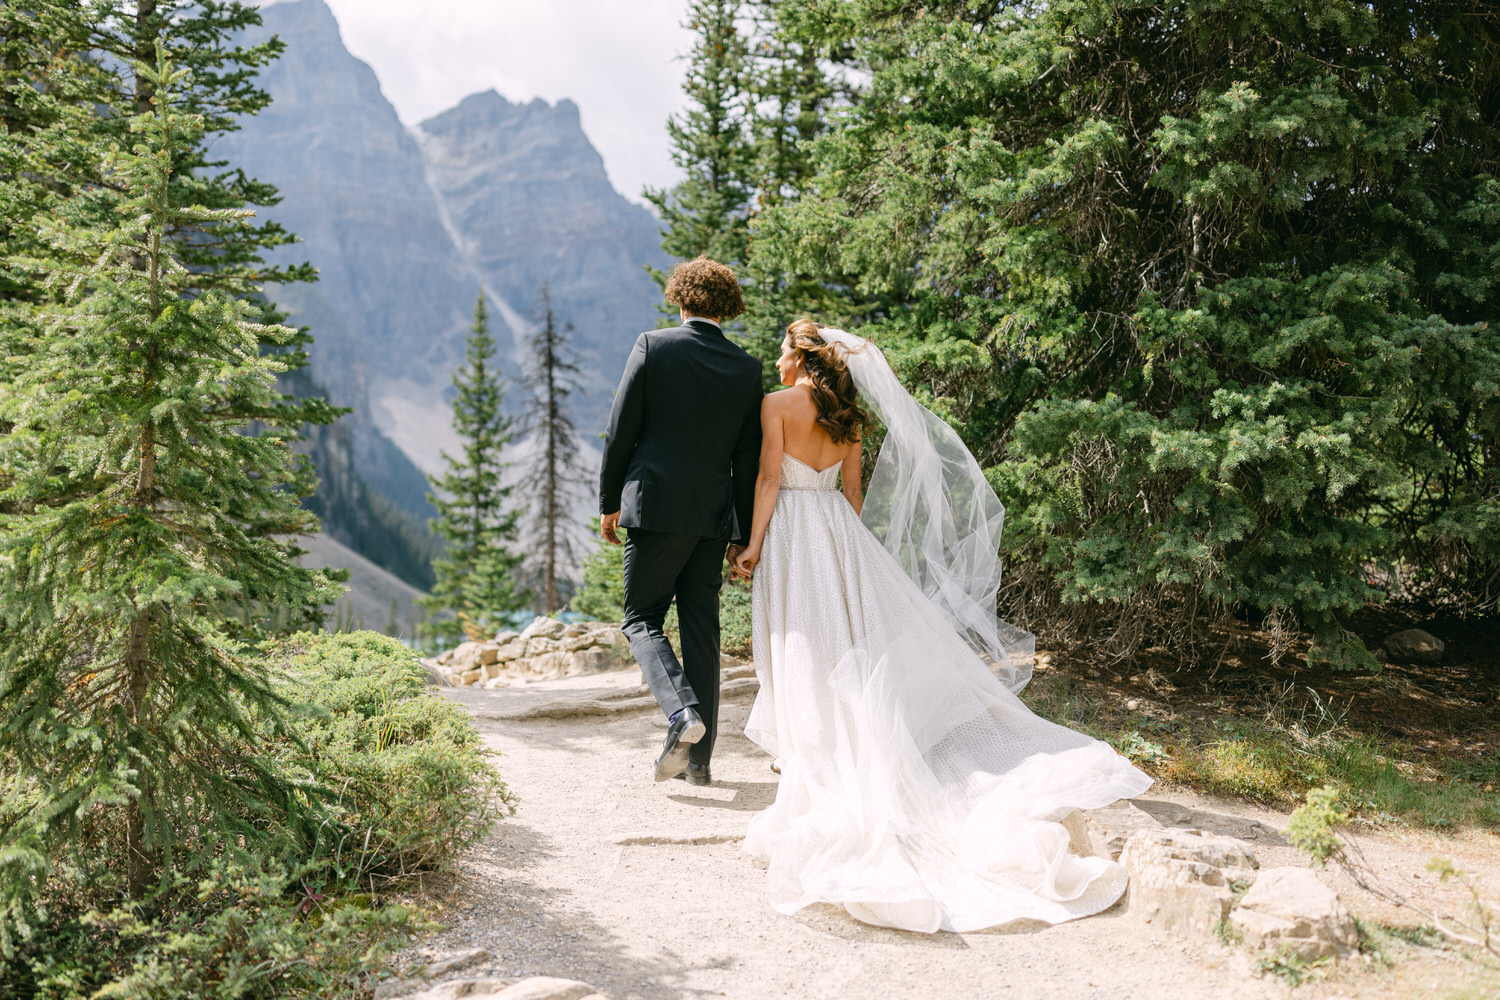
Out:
{"x": 619, "y": 60}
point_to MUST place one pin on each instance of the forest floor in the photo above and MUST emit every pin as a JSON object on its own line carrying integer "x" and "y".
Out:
{"x": 643, "y": 890}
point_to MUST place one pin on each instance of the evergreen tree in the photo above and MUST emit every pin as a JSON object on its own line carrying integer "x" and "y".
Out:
{"x": 137, "y": 513}
{"x": 1211, "y": 288}
{"x": 759, "y": 88}
{"x": 476, "y": 576}
{"x": 601, "y": 587}
{"x": 708, "y": 211}
{"x": 553, "y": 483}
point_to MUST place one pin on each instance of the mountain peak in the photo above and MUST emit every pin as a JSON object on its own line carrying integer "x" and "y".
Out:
{"x": 300, "y": 16}
{"x": 490, "y": 108}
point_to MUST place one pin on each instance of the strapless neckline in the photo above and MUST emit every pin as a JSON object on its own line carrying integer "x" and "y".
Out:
{"x": 799, "y": 461}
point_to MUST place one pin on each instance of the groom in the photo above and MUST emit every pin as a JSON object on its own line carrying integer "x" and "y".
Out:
{"x": 680, "y": 459}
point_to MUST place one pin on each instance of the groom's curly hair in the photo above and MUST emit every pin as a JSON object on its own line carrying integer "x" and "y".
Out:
{"x": 839, "y": 412}
{"x": 705, "y": 288}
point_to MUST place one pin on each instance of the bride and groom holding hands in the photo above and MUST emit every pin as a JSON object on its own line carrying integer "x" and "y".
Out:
{"x": 917, "y": 791}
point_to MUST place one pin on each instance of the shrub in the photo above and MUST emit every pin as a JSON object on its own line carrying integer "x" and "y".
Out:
{"x": 393, "y": 780}
{"x": 735, "y": 621}
{"x": 601, "y": 592}
{"x": 411, "y": 780}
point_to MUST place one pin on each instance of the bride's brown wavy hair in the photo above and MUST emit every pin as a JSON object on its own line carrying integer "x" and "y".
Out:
{"x": 839, "y": 412}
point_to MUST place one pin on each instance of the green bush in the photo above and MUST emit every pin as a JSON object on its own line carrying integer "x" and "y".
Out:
{"x": 735, "y": 621}
{"x": 601, "y": 592}
{"x": 412, "y": 783}
{"x": 394, "y": 780}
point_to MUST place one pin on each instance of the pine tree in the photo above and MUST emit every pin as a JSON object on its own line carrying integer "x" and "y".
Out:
{"x": 1211, "y": 290}
{"x": 143, "y": 514}
{"x": 708, "y": 211}
{"x": 556, "y": 477}
{"x": 759, "y": 88}
{"x": 476, "y": 578}
{"x": 601, "y": 590}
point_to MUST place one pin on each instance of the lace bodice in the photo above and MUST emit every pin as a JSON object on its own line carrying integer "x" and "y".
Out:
{"x": 798, "y": 475}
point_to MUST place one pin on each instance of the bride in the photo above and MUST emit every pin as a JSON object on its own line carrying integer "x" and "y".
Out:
{"x": 917, "y": 791}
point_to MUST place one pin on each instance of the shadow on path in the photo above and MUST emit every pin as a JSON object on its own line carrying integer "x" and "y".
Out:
{"x": 537, "y": 930}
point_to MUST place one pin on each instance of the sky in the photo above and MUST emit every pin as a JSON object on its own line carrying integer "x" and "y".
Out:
{"x": 619, "y": 61}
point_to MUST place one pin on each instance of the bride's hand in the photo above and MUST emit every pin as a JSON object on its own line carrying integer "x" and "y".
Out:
{"x": 744, "y": 566}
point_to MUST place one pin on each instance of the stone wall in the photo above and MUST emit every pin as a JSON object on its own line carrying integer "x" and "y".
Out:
{"x": 545, "y": 650}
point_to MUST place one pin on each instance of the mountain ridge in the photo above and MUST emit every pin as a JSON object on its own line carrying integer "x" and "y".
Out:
{"x": 405, "y": 224}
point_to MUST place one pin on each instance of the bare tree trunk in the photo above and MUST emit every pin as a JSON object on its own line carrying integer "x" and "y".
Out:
{"x": 141, "y": 861}
{"x": 551, "y": 500}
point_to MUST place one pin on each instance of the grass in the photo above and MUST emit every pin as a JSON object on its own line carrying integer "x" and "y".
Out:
{"x": 1273, "y": 752}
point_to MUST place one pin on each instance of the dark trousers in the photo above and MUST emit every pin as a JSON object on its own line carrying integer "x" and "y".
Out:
{"x": 659, "y": 566}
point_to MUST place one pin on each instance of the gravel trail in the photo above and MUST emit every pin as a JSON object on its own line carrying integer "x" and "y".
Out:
{"x": 643, "y": 890}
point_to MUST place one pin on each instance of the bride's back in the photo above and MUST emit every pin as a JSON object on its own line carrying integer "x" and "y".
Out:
{"x": 803, "y": 437}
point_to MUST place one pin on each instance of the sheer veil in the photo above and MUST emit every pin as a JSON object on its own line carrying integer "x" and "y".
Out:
{"x": 932, "y": 508}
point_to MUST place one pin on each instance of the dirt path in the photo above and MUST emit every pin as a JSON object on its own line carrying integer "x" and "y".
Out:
{"x": 643, "y": 890}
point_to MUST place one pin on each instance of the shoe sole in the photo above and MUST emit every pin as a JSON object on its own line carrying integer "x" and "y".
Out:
{"x": 675, "y": 761}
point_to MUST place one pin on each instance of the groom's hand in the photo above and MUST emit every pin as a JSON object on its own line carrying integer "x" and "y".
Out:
{"x": 607, "y": 525}
{"x": 732, "y": 554}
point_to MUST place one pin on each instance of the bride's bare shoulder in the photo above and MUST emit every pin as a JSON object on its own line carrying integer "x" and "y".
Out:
{"x": 788, "y": 396}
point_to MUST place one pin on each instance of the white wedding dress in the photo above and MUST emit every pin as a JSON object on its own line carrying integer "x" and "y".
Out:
{"x": 917, "y": 791}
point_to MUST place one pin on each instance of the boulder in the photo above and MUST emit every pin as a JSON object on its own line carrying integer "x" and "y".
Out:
{"x": 1291, "y": 908}
{"x": 1080, "y": 838}
{"x": 595, "y": 660}
{"x": 574, "y": 630}
{"x": 511, "y": 649}
{"x": 1412, "y": 645}
{"x": 488, "y": 653}
{"x": 505, "y": 637}
{"x": 470, "y": 677}
{"x": 477, "y": 989}
{"x": 547, "y": 988}
{"x": 1114, "y": 824}
{"x": 466, "y": 656}
{"x": 545, "y": 628}
{"x": 1183, "y": 880}
{"x": 573, "y": 643}
{"x": 537, "y": 645}
{"x": 436, "y": 677}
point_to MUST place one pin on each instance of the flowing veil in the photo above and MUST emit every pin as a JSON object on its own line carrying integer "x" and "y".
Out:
{"x": 932, "y": 508}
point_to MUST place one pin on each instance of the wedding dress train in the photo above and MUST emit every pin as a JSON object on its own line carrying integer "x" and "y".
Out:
{"x": 917, "y": 791}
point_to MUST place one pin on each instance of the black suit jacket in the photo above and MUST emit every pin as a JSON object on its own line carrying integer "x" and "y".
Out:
{"x": 683, "y": 445}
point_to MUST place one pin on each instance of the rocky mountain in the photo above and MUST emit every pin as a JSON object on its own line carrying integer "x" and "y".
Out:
{"x": 404, "y": 225}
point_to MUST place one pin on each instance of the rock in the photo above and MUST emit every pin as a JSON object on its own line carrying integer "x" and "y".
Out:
{"x": 1183, "y": 880}
{"x": 1111, "y": 826}
{"x": 595, "y": 660}
{"x": 488, "y": 654}
{"x": 539, "y": 645}
{"x": 512, "y": 649}
{"x": 1412, "y": 645}
{"x": 478, "y": 989}
{"x": 496, "y": 682}
{"x": 466, "y": 656}
{"x": 574, "y": 630}
{"x": 470, "y": 677}
{"x": 1080, "y": 838}
{"x": 544, "y": 628}
{"x": 436, "y": 677}
{"x": 1291, "y": 908}
{"x": 547, "y": 988}
{"x": 505, "y": 637}
{"x": 493, "y": 670}
{"x": 456, "y": 963}
{"x": 573, "y": 643}
{"x": 423, "y": 977}
{"x": 1167, "y": 813}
